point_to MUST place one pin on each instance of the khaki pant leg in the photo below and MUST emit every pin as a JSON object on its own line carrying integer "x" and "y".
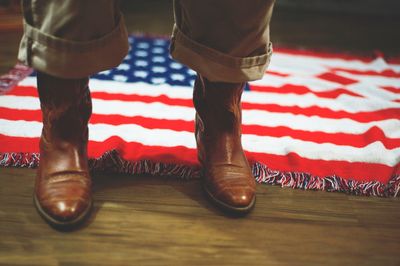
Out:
{"x": 223, "y": 40}
{"x": 72, "y": 38}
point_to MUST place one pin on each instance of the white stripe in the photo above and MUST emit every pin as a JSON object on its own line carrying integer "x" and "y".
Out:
{"x": 342, "y": 103}
{"x": 321, "y": 85}
{"x": 309, "y": 81}
{"x": 373, "y": 153}
{"x": 373, "y": 92}
{"x": 372, "y": 79}
{"x": 305, "y": 64}
{"x": 395, "y": 67}
{"x": 391, "y": 127}
{"x": 367, "y": 86}
{"x": 371, "y": 86}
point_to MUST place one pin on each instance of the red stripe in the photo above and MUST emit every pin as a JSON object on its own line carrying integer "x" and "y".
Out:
{"x": 131, "y": 151}
{"x": 356, "y": 140}
{"x": 23, "y": 91}
{"x": 337, "y": 78}
{"x": 18, "y": 144}
{"x": 15, "y": 114}
{"x": 134, "y": 151}
{"x": 392, "y": 89}
{"x": 277, "y": 73}
{"x": 393, "y": 60}
{"x": 181, "y": 155}
{"x": 301, "y": 90}
{"x": 363, "y": 117}
{"x": 372, "y": 135}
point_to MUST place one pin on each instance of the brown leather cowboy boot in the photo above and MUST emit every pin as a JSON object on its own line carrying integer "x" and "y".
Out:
{"x": 227, "y": 178}
{"x": 63, "y": 184}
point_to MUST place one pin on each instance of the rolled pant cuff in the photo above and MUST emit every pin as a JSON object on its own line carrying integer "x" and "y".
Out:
{"x": 72, "y": 59}
{"x": 214, "y": 65}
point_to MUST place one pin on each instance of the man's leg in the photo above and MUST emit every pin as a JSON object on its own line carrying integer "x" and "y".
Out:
{"x": 65, "y": 42}
{"x": 227, "y": 44}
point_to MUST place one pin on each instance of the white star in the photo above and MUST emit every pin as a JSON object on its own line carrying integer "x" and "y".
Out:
{"x": 191, "y": 72}
{"x": 157, "y": 50}
{"x": 141, "y": 53}
{"x": 120, "y": 78}
{"x": 159, "y": 42}
{"x": 141, "y": 63}
{"x": 141, "y": 74}
{"x": 179, "y": 77}
{"x": 158, "y": 80}
{"x": 105, "y": 72}
{"x": 159, "y": 69}
{"x": 143, "y": 45}
{"x": 158, "y": 59}
{"x": 175, "y": 65}
{"x": 124, "y": 66}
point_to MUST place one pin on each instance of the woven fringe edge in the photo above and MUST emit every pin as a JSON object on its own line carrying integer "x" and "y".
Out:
{"x": 112, "y": 163}
{"x": 333, "y": 183}
{"x": 15, "y": 75}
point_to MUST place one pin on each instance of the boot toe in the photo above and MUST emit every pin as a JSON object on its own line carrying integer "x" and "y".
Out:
{"x": 64, "y": 203}
{"x": 64, "y": 212}
{"x": 231, "y": 186}
{"x": 70, "y": 210}
{"x": 237, "y": 198}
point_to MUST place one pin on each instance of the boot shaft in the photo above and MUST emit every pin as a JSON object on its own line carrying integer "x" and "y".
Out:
{"x": 66, "y": 107}
{"x": 218, "y": 121}
{"x": 218, "y": 105}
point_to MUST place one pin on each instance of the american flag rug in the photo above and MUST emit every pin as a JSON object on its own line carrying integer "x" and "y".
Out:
{"x": 314, "y": 121}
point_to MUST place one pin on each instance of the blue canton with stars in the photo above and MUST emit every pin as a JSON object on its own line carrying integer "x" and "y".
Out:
{"x": 149, "y": 61}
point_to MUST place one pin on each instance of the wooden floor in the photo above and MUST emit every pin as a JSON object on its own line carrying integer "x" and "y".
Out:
{"x": 161, "y": 221}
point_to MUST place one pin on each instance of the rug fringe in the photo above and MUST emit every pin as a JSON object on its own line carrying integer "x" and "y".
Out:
{"x": 19, "y": 159}
{"x": 329, "y": 183}
{"x": 112, "y": 162}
